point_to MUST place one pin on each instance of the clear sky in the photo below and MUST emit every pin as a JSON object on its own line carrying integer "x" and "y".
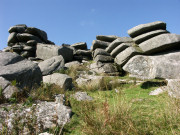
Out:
{"x": 72, "y": 21}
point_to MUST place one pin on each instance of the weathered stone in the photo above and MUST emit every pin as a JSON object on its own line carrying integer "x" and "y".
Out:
{"x": 158, "y": 91}
{"x": 141, "y": 38}
{"x": 159, "y": 66}
{"x": 99, "y": 51}
{"x": 72, "y": 64}
{"x": 84, "y": 53}
{"x": 143, "y": 28}
{"x": 18, "y": 28}
{"x": 32, "y": 43}
{"x": 107, "y": 38}
{"x": 82, "y": 96}
{"x": 103, "y": 58}
{"x": 45, "y": 133}
{"x": 99, "y": 44}
{"x": 7, "y": 89}
{"x": 29, "y": 48}
{"x": 118, "y": 41}
{"x": 27, "y": 54}
{"x": 52, "y": 64}
{"x": 81, "y": 58}
{"x": 99, "y": 67}
{"x": 24, "y": 37}
{"x": 7, "y": 49}
{"x": 173, "y": 87}
{"x": 46, "y": 51}
{"x": 80, "y": 45}
{"x": 125, "y": 55}
{"x": 160, "y": 43}
{"x": 62, "y": 80}
{"x": 37, "y": 32}
{"x": 120, "y": 48}
{"x": 14, "y": 67}
{"x": 12, "y": 39}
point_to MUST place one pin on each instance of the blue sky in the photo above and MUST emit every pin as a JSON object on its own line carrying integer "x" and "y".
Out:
{"x": 71, "y": 21}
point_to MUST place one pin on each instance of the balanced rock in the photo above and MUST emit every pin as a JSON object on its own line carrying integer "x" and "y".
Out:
{"x": 125, "y": 55}
{"x": 164, "y": 66}
{"x": 143, "y": 28}
{"x": 120, "y": 48}
{"x": 160, "y": 43}
{"x": 62, "y": 80}
{"x": 141, "y": 38}
{"x": 99, "y": 44}
{"x": 80, "y": 45}
{"x": 106, "y": 38}
{"x": 52, "y": 64}
{"x": 24, "y": 72}
{"x": 118, "y": 41}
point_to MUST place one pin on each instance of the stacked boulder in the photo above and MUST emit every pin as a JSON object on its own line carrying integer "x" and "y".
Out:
{"x": 104, "y": 62}
{"x": 81, "y": 52}
{"x": 153, "y": 39}
{"x": 23, "y": 40}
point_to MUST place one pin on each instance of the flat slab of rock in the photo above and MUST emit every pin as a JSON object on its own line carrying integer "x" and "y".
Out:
{"x": 12, "y": 38}
{"x": 123, "y": 57}
{"x": 72, "y": 64}
{"x": 143, "y": 28}
{"x": 46, "y": 51}
{"x": 158, "y": 91}
{"x": 82, "y": 96}
{"x": 24, "y": 37}
{"x": 18, "y": 28}
{"x": 159, "y": 66}
{"x": 14, "y": 67}
{"x": 83, "y": 53}
{"x": 50, "y": 65}
{"x": 106, "y": 38}
{"x": 62, "y": 80}
{"x": 173, "y": 87}
{"x": 117, "y": 42}
{"x": 141, "y": 38}
{"x": 160, "y": 43}
{"x": 99, "y": 44}
{"x": 120, "y": 48}
{"x": 80, "y": 45}
{"x": 99, "y": 51}
{"x": 103, "y": 58}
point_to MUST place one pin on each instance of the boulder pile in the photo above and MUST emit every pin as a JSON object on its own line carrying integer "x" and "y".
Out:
{"x": 23, "y": 40}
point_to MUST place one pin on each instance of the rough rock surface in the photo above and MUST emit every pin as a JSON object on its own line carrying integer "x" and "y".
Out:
{"x": 158, "y": 91}
{"x": 87, "y": 53}
{"x": 120, "y": 48}
{"x": 52, "y": 64}
{"x": 14, "y": 67}
{"x": 62, "y": 80}
{"x": 173, "y": 88}
{"x": 118, "y": 41}
{"x": 72, "y": 64}
{"x": 24, "y": 37}
{"x": 103, "y": 58}
{"x": 141, "y": 38}
{"x": 99, "y": 44}
{"x": 12, "y": 38}
{"x": 18, "y": 28}
{"x": 143, "y": 28}
{"x": 82, "y": 96}
{"x": 160, "y": 43}
{"x": 80, "y": 45}
{"x": 159, "y": 66}
{"x": 99, "y": 51}
{"x": 107, "y": 38}
{"x": 125, "y": 55}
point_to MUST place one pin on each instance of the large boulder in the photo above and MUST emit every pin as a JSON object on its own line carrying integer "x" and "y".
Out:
{"x": 80, "y": 45}
{"x": 62, "y": 80}
{"x": 37, "y": 32}
{"x": 103, "y": 58}
{"x": 99, "y": 44}
{"x": 99, "y": 51}
{"x": 18, "y": 28}
{"x": 106, "y": 38}
{"x": 160, "y": 43}
{"x": 143, "y": 28}
{"x": 83, "y": 53}
{"x": 125, "y": 55}
{"x": 141, "y": 38}
{"x": 52, "y": 64}
{"x": 12, "y": 39}
{"x": 24, "y": 37}
{"x": 46, "y": 51}
{"x": 118, "y": 41}
{"x": 164, "y": 66}
{"x": 173, "y": 88}
{"x": 24, "y": 72}
{"x": 120, "y": 48}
